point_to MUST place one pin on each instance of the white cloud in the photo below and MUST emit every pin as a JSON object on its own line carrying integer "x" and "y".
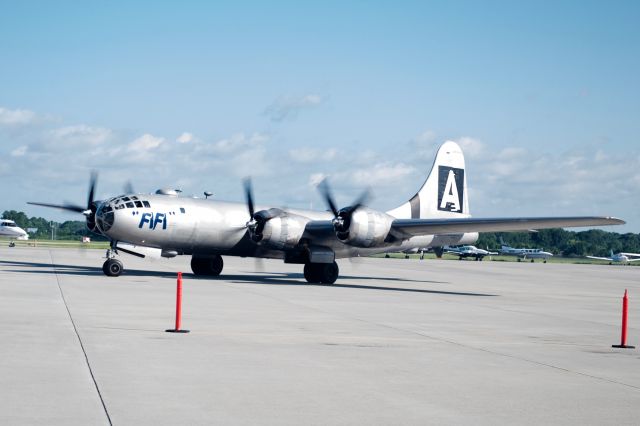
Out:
{"x": 239, "y": 141}
{"x": 185, "y": 137}
{"x": 288, "y": 107}
{"x": 16, "y": 117}
{"x": 19, "y": 151}
{"x": 470, "y": 146}
{"x": 81, "y": 134}
{"x": 310, "y": 155}
{"x": 146, "y": 142}
{"x": 382, "y": 174}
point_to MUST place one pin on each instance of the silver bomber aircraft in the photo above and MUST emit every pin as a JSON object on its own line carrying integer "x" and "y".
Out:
{"x": 165, "y": 224}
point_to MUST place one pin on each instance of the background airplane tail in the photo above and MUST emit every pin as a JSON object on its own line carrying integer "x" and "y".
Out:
{"x": 444, "y": 193}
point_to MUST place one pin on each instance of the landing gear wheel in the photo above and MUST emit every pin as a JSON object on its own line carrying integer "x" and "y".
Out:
{"x": 112, "y": 267}
{"x": 329, "y": 273}
{"x": 312, "y": 272}
{"x": 325, "y": 273}
{"x": 209, "y": 266}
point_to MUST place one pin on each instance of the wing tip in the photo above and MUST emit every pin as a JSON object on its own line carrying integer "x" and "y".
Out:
{"x": 615, "y": 221}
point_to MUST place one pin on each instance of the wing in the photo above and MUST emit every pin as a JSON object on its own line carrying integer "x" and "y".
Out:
{"x": 599, "y": 258}
{"x": 406, "y": 228}
{"x": 631, "y": 254}
{"x": 634, "y": 260}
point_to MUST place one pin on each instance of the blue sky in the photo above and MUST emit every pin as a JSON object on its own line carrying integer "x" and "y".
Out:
{"x": 543, "y": 96}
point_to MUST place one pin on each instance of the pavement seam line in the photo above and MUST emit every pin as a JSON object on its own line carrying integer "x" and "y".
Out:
{"x": 75, "y": 329}
{"x": 439, "y": 339}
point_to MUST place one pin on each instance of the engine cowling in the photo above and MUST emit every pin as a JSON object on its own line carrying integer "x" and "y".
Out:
{"x": 279, "y": 229}
{"x": 364, "y": 227}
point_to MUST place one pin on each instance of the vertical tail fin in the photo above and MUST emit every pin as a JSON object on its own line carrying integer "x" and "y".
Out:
{"x": 444, "y": 193}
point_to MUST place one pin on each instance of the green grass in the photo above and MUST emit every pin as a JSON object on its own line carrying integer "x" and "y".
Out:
{"x": 103, "y": 245}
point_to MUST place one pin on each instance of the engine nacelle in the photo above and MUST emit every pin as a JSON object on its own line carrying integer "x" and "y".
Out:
{"x": 365, "y": 228}
{"x": 283, "y": 231}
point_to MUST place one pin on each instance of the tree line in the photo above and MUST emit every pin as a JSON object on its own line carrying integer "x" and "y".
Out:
{"x": 594, "y": 242}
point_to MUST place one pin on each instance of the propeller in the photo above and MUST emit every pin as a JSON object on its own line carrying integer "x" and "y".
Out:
{"x": 89, "y": 211}
{"x": 257, "y": 220}
{"x": 128, "y": 188}
{"x": 342, "y": 217}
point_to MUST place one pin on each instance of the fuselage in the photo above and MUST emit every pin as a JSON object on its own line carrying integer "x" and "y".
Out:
{"x": 205, "y": 226}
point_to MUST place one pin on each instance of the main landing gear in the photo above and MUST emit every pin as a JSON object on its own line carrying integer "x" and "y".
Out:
{"x": 325, "y": 273}
{"x": 210, "y": 266}
{"x": 112, "y": 267}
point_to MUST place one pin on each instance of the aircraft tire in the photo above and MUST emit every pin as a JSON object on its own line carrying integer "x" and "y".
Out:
{"x": 208, "y": 266}
{"x": 112, "y": 268}
{"x": 312, "y": 272}
{"x": 329, "y": 273}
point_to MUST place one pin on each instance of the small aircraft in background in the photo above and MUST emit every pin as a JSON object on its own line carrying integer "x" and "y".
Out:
{"x": 618, "y": 257}
{"x": 8, "y": 228}
{"x": 469, "y": 251}
{"x": 524, "y": 253}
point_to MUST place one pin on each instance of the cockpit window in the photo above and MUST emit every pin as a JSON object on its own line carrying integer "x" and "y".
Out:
{"x": 146, "y": 204}
{"x": 138, "y": 204}
{"x": 129, "y": 204}
{"x": 134, "y": 197}
{"x": 125, "y": 198}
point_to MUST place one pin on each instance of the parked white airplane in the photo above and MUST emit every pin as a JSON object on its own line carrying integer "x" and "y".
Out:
{"x": 618, "y": 257}
{"x": 524, "y": 253}
{"x": 8, "y": 228}
{"x": 469, "y": 251}
{"x": 437, "y": 215}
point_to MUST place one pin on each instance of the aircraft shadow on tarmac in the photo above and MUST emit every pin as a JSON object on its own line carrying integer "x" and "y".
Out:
{"x": 269, "y": 278}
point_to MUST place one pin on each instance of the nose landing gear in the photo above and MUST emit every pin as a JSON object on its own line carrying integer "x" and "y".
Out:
{"x": 112, "y": 267}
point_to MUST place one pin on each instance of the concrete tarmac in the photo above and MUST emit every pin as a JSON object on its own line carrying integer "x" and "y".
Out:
{"x": 394, "y": 341}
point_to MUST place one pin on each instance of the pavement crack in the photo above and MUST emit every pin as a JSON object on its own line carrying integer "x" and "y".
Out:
{"x": 75, "y": 329}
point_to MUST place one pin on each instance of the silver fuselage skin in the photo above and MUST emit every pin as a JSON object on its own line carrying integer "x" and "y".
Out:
{"x": 195, "y": 226}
